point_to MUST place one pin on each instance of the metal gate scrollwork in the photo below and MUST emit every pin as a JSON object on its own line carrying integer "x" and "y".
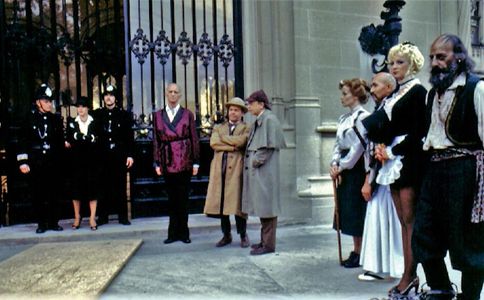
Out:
{"x": 178, "y": 41}
{"x": 204, "y": 94}
{"x": 80, "y": 46}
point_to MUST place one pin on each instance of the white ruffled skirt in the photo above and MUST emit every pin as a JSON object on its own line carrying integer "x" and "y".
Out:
{"x": 390, "y": 170}
{"x": 382, "y": 250}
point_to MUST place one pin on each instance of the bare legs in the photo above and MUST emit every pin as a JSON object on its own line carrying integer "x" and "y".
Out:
{"x": 357, "y": 244}
{"x": 77, "y": 213}
{"x": 92, "y": 217}
{"x": 404, "y": 200}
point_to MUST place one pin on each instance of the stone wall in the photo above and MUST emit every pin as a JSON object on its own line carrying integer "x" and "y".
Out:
{"x": 298, "y": 51}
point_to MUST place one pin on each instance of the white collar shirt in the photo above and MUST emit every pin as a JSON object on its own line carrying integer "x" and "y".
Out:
{"x": 171, "y": 112}
{"x": 436, "y": 137}
{"x": 83, "y": 126}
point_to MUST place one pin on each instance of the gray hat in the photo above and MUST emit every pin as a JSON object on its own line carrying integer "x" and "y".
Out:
{"x": 237, "y": 102}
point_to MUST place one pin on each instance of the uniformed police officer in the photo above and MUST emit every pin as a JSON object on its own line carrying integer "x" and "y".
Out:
{"x": 41, "y": 143}
{"x": 116, "y": 143}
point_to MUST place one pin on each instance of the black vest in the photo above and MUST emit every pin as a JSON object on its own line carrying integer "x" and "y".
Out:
{"x": 461, "y": 122}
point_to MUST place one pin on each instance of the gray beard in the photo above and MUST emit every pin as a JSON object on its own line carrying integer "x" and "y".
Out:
{"x": 441, "y": 79}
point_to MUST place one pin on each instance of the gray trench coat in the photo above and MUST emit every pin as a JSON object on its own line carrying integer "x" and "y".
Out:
{"x": 260, "y": 192}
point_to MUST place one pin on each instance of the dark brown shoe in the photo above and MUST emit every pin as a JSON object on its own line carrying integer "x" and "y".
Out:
{"x": 227, "y": 239}
{"x": 255, "y": 246}
{"x": 261, "y": 251}
{"x": 244, "y": 242}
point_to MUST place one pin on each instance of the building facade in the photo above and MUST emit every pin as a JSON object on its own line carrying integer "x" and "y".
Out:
{"x": 296, "y": 50}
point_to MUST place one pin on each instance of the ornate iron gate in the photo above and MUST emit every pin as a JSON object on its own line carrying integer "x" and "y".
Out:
{"x": 73, "y": 45}
{"x": 78, "y": 47}
{"x": 196, "y": 43}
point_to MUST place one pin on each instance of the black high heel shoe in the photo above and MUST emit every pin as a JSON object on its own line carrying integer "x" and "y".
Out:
{"x": 395, "y": 292}
{"x": 74, "y": 226}
{"x": 93, "y": 227}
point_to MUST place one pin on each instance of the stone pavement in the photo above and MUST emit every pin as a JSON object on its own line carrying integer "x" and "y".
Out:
{"x": 73, "y": 268}
{"x": 305, "y": 265}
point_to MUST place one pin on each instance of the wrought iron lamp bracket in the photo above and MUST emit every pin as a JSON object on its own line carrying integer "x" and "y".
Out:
{"x": 379, "y": 39}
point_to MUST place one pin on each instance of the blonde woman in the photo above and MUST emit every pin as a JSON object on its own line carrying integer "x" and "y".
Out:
{"x": 403, "y": 158}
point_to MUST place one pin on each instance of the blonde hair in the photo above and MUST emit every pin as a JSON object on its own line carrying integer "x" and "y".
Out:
{"x": 410, "y": 52}
{"x": 358, "y": 88}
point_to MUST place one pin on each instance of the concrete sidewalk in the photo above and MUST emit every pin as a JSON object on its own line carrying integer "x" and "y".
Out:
{"x": 25, "y": 233}
{"x": 305, "y": 265}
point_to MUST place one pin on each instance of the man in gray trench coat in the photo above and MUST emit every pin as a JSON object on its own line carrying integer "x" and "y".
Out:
{"x": 260, "y": 192}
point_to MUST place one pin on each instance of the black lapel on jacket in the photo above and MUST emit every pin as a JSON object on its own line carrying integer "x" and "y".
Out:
{"x": 166, "y": 120}
{"x": 178, "y": 117}
{"x": 77, "y": 128}
{"x": 91, "y": 127}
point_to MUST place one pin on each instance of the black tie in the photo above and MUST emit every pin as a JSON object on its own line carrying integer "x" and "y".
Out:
{"x": 252, "y": 132}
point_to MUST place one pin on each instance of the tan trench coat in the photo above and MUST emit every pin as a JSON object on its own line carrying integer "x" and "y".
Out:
{"x": 220, "y": 142}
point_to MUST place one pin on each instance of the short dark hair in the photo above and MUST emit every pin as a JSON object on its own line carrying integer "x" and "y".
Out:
{"x": 464, "y": 62}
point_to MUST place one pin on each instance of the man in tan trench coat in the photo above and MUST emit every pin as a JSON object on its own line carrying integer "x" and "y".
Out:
{"x": 260, "y": 192}
{"x": 224, "y": 192}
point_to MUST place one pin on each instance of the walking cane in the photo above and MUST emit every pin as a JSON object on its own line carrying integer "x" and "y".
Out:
{"x": 336, "y": 219}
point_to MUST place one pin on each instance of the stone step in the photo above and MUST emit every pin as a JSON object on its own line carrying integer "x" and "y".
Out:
{"x": 73, "y": 268}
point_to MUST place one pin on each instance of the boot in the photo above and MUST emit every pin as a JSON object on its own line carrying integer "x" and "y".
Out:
{"x": 227, "y": 239}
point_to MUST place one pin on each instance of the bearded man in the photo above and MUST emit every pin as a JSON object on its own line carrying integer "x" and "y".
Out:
{"x": 450, "y": 212}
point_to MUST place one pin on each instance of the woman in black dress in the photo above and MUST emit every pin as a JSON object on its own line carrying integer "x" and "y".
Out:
{"x": 403, "y": 159}
{"x": 81, "y": 138}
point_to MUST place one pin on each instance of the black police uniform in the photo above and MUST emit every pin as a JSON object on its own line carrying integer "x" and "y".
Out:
{"x": 116, "y": 142}
{"x": 41, "y": 143}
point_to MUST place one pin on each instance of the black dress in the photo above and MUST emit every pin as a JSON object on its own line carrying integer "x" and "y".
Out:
{"x": 352, "y": 205}
{"x": 408, "y": 118}
{"x": 85, "y": 175}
